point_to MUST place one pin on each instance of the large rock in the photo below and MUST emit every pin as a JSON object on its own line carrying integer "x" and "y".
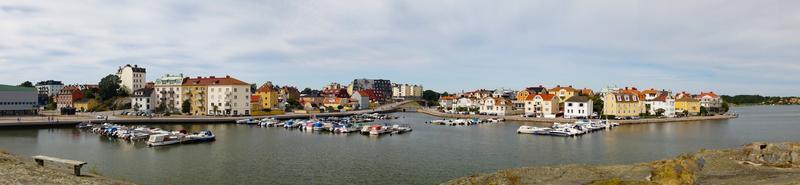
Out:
{"x": 777, "y": 155}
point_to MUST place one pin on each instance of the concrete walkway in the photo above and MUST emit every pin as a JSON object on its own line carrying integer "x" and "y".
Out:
{"x": 434, "y": 112}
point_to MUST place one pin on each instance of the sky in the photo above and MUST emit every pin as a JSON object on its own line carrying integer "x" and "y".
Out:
{"x": 725, "y": 46}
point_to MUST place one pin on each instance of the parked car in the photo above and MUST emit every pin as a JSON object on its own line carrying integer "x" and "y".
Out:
{"x": 100, "y": 117}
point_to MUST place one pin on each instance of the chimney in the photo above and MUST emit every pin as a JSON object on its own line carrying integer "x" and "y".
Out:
{"x": 570, "y": 85}
{"x": 626, "y": 88}
{"x": 212, "y": 77}
{"x": 228, "y": 76}
{"x": 540, "y": 85}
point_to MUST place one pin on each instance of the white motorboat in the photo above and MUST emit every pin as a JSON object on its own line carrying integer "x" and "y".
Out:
{"x": 203, "y": 136}
{"x": 525, "y": 129}
{"x": 165, "y": 139}
{"x": 399, "y": 129}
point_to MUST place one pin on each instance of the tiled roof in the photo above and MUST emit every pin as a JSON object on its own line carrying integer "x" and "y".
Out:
{"x": 620, "y": 97}
{"x": 558, "y": 88}
{"x": 577, "y": 99}
{"x": 228, "y": 80}
{"x": 143, "y": 92}
{"x": 267, "y": 87}
{"x": 711, "y": 94}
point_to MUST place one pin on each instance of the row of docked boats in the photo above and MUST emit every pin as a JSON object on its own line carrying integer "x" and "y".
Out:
{"x": 580, "y": 127}
{"x": 465, "y": 122}
{"x": 339, "y": 125}
{"x": 151, "y": 136}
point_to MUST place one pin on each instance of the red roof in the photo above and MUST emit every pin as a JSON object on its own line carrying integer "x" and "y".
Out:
{"x": 255, "y": 98}
{"x": 711, "y": 94}
{"x": 227, "y": 80}
{"x": 372, "y": 94}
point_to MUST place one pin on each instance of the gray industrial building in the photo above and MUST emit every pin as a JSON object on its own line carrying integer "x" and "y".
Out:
{"x": 18, "y": 100}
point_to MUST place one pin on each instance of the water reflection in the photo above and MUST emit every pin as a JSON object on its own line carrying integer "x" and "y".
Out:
{"x": 430, "y": 154}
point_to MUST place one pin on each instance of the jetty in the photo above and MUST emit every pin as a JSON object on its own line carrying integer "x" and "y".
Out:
{"x": 437, "y": 113}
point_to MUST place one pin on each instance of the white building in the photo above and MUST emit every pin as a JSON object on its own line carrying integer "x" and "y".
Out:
{"x": 168, "y": 92}
{"x": 467, "y": 102}
{"x": 710, "y": 100}
{"x": 578, "y": 107}
{"x": 228, "y": 96}
{"x": 496, "y": 106}
{"x": 542, "y": 105}
{"x": 447, "y": 102}
{"x": 665, "y": 101}
{"x": 132, "y": 77}
{"x": 49, "y": 87}
{"x": 361, "y": 99}
{"x": 406, "y": 91}
{"x": 143, "y": 100}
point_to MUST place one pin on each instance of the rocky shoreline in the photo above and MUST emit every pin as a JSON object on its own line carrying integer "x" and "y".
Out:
{"x": 17, "y": 170}
{"x": 755, "y": 163}
{"x": 564, "y": 120}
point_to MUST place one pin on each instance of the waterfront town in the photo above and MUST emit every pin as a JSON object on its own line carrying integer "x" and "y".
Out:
{"x": 128, "y": 89}
{"x": 172, "y": 94}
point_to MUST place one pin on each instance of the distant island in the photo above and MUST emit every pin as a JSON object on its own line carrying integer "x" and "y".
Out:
{"x": 760, "y": 100}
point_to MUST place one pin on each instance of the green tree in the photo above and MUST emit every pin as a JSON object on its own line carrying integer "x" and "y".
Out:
{"x": 253, "y": 87}
{"x": 725, "y": 107}
{"x": 26, "y": 84}
{"x": 91, "y": 93}
{"x": 432, "y": 97}
{"x": 109, "y": 87}
{"x": 703, "y": 111}
{"x": 162, "y": 107}
{"x": 660, "y": 112}
{"x": 340, "y": 107}
{"x": 597, "y": 104}
{"x": 186, "y": 107}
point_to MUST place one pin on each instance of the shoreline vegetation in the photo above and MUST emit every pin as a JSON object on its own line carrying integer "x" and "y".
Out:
{"x": 434, "y": 112}
{"x": 762, "y": 163}
{"x": 18, "y": 170}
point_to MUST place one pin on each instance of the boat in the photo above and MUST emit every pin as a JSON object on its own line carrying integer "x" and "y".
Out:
{"x": 525, "y": 129}
{"x": 203, "y": 136}
{"x": 399, "y": 129}
{"x": 247, "y": 121}
{"x": 84, "y": 125}
{"x": 377, "y": 130}
{"x": 164, "y": 139}
{"x": 365, "y": 129}
{"x": 565, "y": 131}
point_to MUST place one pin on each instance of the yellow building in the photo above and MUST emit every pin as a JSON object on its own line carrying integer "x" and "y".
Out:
{"x": 268, "y": 95}
{"x": 86, "y": 105}
{"x": 622, "y": 104}
{"x": 196, "y": 92}
{"x": 687, "y": 103}
{"x": 563, "y": 93}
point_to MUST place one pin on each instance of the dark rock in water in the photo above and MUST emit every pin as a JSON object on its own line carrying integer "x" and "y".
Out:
{"x": 765, "y": 163}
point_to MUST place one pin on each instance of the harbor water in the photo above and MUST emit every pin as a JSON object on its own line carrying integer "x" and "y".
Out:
{"x": 430, "y": 154}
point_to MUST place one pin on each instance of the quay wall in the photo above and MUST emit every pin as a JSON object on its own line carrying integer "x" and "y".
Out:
{"x": 191, "y": 120}
{"x": 434, "y": 112}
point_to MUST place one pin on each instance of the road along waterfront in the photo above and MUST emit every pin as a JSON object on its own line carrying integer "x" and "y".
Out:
{"x": 430, "y": 154}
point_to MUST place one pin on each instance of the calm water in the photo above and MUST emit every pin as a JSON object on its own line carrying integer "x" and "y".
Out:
{"x": 428, "y": 155}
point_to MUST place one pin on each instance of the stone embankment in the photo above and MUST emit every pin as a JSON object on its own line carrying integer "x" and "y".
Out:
{"x": 16, "y": 170}
{"x": 434, "y": 112}
{"x": 756, "y": 163}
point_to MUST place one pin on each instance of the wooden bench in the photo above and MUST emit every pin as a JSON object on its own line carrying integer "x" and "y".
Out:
{"x": 76, "y": 165}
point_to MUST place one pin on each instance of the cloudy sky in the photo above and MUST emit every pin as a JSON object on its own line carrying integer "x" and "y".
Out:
{"x": 729, "y": 46}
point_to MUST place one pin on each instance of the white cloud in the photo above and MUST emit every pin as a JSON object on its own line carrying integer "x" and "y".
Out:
{"x": 682, "y": 45}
